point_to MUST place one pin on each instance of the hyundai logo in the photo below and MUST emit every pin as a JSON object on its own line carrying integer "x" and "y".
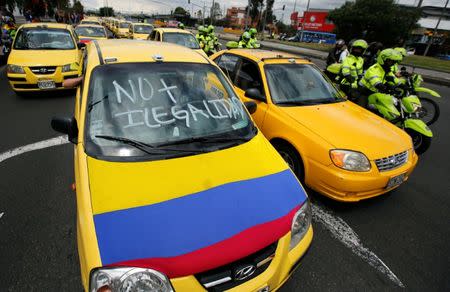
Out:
{"x": 393, "y": 160}
{"x": 244, "y": 272}
{"x": 43, "y": 70}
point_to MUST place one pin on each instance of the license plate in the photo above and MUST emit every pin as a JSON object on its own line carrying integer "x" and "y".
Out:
{"x": 395, "y": 181}
{"x": 46, "y": 84}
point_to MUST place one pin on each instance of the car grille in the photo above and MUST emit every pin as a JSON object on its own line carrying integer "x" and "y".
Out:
{"x": 392, "y": 162}
{"x": 225, "y": 277}
{"x": 43, "y": 70}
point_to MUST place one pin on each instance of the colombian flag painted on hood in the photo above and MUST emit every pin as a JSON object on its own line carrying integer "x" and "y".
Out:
{"x": 183, "y": 216}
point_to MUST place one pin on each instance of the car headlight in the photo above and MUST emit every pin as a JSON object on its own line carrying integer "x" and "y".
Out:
{"x": 350, "y": 160}
{"x": 300, "y": 224}
{"x": 15, "y": 69}
{"x": 70, "y": 67}
{"x": 128, "y": 279}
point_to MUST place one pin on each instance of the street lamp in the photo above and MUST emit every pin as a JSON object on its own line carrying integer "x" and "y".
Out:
{"x": 303, "y": 22}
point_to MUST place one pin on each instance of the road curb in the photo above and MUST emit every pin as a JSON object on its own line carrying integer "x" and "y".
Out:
{"x": 295, "y": 50}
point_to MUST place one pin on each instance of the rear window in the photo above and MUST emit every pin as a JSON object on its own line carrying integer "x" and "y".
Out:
{"x": 183, "y": 39}
{"x": 90, "y": 31}
{"x": 124, "y": 25}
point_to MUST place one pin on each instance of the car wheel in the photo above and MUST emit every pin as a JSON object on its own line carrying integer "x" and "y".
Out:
{"x": 292, "y": 158}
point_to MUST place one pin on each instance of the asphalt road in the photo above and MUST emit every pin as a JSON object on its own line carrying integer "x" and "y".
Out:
{"x": 408, "y": 229}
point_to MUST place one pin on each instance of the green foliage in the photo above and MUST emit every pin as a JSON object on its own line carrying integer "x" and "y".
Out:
{"x": 180, "y": 11}
{"x": 106, "y": 11}
{"x": 374, "y": 20}
{"x": 255, "y": 6}
{"x": 78, "y": 7}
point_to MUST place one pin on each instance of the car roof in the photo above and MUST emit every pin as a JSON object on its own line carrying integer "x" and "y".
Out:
{"x": 46, "y": 24}
{"x": 128, "y": 51}
{"x": 166, "y": 29}
{"x": 268, "y": 56}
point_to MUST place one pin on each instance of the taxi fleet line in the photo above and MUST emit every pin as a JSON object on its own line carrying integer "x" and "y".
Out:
{"x": 182, "y": 176}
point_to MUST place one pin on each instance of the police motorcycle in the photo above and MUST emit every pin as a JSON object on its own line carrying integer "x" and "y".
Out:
{"x": 429, "y": 111}
{"x": 403, "y": 110}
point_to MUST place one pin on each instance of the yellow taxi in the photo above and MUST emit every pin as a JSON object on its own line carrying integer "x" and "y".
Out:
{"x": 176, "y": 188}
{"x": 122, "y": 29}
{"x": 140, "y": 31}
{"x": 176, "y": 36}
{"x": 43, "y": 55}
{"x": 336, "y": 147}
{"x": 88, "y": 32}
{"x": 90, "y": 20}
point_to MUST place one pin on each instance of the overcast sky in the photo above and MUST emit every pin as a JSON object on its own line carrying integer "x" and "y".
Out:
{"x": 164, "y": 6}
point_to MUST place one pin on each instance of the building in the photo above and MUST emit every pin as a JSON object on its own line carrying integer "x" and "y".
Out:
{"x": 313, "y": 20}
{"x": 237, "y": 17}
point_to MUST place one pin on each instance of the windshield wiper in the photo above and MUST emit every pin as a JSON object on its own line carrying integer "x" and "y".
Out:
{"x": 93, "y": 103}
{"x": 144, "y": 147}
{"x": 207, "y": 139}
{"x": 297, "y": 102}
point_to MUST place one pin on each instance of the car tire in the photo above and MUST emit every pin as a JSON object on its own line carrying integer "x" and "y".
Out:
{"x": 292, "y": 158}
{"x": 421, "y": 142}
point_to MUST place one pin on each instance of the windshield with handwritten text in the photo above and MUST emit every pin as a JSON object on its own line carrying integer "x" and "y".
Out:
{"x": 137, "y": 107}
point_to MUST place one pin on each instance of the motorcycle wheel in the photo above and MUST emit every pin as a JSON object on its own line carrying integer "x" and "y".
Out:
{"x": 429, "y": 112}
{"x": 421, "y": 142}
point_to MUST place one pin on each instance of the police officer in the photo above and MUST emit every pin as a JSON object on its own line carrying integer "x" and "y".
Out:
{"x": 253, "y": 40}
{"x": 180, "y": 25}
{"x": 352, "y": 68}
{"x": 403, "y": 53}
{"x": 338, "y": 53}
{"x": 244, "y": 43}
{"x": 379, "y": 76}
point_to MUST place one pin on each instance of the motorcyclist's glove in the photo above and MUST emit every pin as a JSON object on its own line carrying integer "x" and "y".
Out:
{"x": 381, "y": 87}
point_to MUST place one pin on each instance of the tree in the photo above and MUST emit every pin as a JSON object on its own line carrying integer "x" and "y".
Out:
{"x": 106, "y": 11}
{"x": 179, "y": 11}
{"x": 255, "y": 6}
{"x": 374, "y": 20}
{"x": 78, "y": 7}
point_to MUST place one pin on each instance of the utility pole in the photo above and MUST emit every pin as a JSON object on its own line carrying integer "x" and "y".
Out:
{"x": 430, "y": 41}
{"x": 212, "y": 14}
{"x": 248, "y": 15}
{"x": 264, "y": 22}
{"x": 203, "y": 13}
{"x": 303, "y": 22}
{"x": 420, "y": 3}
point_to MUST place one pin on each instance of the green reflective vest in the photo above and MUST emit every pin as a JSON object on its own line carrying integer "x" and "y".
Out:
{"x": 376, "y": 75}
{"x": 352, "y": 69}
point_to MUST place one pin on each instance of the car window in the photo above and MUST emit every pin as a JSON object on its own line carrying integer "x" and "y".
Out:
{"x": 44, "y": 39}
{"x": 90, "y": 31}
{"x": 152, "y": 35}
{"x": 182, "y": 39}
{"x": 228, "y": 64}
{"x": 145, "y": 29}
{"x": 158, "y": 103}
{"x": 124, "y": 25}
{"x": 302, "y": 83}
{"x": 248, "y": 76}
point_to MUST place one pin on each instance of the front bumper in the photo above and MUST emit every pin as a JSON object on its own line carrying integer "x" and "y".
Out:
{"x": 348, "y": 186}
{"x": 279, "y": 270}
{"x": 28, "y": 81}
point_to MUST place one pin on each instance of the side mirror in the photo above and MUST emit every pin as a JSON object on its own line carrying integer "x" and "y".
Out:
{"x": 254, "y": 93}
{"x": 250, "y": 106}
{"x": 67, "y": 126}
{"x": 81, "y": 45}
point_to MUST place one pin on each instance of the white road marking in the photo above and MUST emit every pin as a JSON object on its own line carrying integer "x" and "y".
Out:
{"x": 345, "y": 234}
{"x": 338, "y": 227}
{"x": 1, "y": 214}
{"x": 60, "y": 140}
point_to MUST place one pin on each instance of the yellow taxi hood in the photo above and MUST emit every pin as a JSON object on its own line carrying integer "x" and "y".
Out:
{"x": 348, "y": 126}
{"x": 185, "y": 215}
{"x": 42, "y": 57}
